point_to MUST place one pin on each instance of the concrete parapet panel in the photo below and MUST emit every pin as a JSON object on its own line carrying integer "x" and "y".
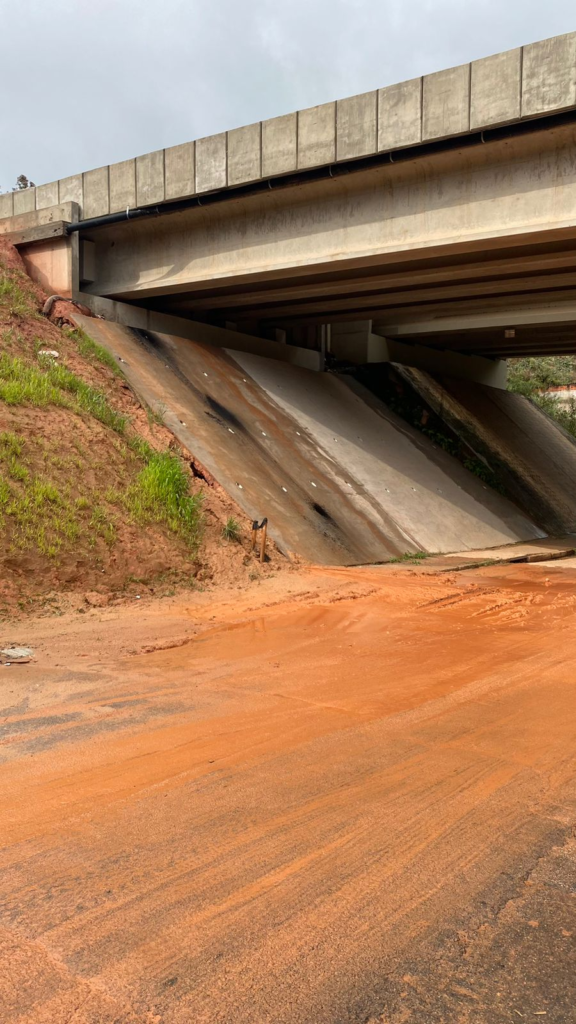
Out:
{"x": 446, "y": 103}
{"x": 549, "y": 75}
{"x": 122, "y": 185}
{"x": 6, "y": 205}
{"x": 179, "y": 171}
{"x": 495, "y": 88}
{"x": 24, "y": 201}
{"x": 150, "y": 178}
{"x": 96, "y": 193}
{"x": 356, "y": 127}
{"x": 279, "y": 145}
{"x": 317, "y": 135}
{"x": 70, "y": 189}
{"x": 211, "y": 163}
{"x": 400, "y": 115}
{"x": 24, "y": 222}
{"x": 244, "y": 162}
{"x": 47, "y": 195}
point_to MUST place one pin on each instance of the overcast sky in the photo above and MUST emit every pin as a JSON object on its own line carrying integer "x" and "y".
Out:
{"x": 89, "y": 82}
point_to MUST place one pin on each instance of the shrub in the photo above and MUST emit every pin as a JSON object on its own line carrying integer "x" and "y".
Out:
{"x": 231, "y": 529}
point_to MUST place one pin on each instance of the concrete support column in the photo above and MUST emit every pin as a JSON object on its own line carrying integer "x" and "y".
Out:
{"x": 54, "y": 265}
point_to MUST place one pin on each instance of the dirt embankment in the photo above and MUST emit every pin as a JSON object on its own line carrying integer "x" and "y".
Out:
{"x": 88, "y": 511}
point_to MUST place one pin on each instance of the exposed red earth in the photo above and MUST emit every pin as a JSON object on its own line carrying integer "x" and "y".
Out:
{"x": 342, "y": 795}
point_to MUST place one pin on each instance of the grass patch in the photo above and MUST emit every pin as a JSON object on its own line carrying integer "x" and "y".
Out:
{"x": 101, "y": 524}
{"x": 11, "y": 446}
{"x": 141, "y": 448}
{"x": 42, "y": 518}
{"x": 13, "y": 298}
{"x": 160, "y": 495}
{"x": 231, "y": 529}
{"x": 92, "y": 352}
{"x": 50, "y": 384}
{"x": 413, "y": 557}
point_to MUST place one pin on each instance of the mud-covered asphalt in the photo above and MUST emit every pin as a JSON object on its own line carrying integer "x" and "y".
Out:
{"x": 351, "y": 802}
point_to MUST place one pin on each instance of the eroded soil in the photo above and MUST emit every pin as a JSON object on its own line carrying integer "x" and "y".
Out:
{"x": 341, "y": 796}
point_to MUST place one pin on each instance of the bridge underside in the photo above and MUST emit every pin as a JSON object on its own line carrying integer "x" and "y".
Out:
{"x": 514, "y": 301}
{"x": 472, "y": 250}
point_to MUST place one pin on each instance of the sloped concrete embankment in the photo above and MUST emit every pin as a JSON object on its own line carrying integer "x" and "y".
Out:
{"x": 532, "y": 456}
{"x": 340, "y": 482}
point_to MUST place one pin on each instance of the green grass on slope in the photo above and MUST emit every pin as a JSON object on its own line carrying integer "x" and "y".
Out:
{"x": 45, "y": 515}
{"x": 92, "y": 352}
{"x": 160, "y": 495}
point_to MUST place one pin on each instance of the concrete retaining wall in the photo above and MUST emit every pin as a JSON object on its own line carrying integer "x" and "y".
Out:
{"x": 527, "y": 82}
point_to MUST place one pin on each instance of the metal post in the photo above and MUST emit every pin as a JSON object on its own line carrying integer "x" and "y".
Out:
{"x": 263, "y": 540}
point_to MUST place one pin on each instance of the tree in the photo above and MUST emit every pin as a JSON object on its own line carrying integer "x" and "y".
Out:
{"x": 22, "y": 182}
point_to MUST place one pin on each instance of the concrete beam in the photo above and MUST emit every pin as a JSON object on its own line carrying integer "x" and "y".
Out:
{"x": 558, "y": 312}
{"x": 234, "y": 341}
{"x": 356, "y": 343}
{"x": 458, "y": 199}
{"x": 493, "y": 372}
{"x": 40, "y": 233}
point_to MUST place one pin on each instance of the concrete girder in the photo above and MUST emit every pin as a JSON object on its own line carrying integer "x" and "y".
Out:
{"x": 449, "y": 203}
{"x": 390, "y": 298}
{"x": 227, "y": 298}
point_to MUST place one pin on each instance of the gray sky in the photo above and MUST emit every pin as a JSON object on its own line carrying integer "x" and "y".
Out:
{"x": 89, "y": 82}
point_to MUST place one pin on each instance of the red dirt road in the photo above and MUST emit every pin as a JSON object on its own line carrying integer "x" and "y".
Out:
{"x": 349, "y": 802}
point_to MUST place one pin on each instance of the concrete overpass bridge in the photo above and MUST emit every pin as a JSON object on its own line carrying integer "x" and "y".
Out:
{"x": 427, "y": 227}
{"x": 440, "y": 212}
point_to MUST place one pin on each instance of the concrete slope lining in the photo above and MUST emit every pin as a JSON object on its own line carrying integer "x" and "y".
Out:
{"x": 340, "y": 482}
{"x": 252, "y": 448}
{"x": 433, "y": 501}
{"x": 534, "y": 457}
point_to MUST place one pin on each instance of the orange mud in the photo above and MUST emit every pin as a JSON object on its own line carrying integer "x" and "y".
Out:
{"x": 344, "y": 796}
